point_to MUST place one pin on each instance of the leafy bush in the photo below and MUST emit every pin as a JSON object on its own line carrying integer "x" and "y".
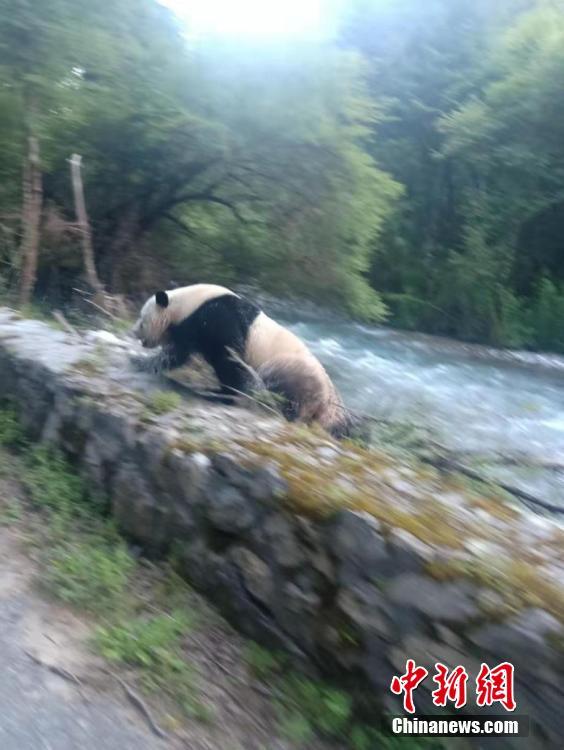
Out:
{"x": 546, "y": 316}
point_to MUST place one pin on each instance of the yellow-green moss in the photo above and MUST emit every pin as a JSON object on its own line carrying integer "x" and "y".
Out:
{"x": 198, "y": 444}
{"x": 520, "y": 584}
{"x": 89, "y": 366}
{"x": 353, "y": 480}
{"x": 162, "y": 402}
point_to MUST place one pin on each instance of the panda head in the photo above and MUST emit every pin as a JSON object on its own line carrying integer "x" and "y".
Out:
{"x": 154, "y": 320}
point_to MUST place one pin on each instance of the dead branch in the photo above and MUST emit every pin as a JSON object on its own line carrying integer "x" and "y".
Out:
{"x": 101, "y": 309}
{"x": 59, "y": 671}
{"x": 84, "y": 225}
{"x": 139, "y": 704}
{"x": 60, "y": 318}
{"x": 447, "y": 464}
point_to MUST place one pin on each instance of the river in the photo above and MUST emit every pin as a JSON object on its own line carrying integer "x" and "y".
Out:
{"x": 503, "y": 408}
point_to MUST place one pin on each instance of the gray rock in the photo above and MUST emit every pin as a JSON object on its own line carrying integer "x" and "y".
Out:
{"x": 229, "y": 511}
{"x": 199, "y": 564}
{"x": 348, "y": 590}
{"x": 267, "y": 486}
{"x": 362, "y": 605}
{"x": 427, "y": 651}
{"x": 282, "y": 542}
{"x": 263, "y": 483}
{"x": 526, "y": 641}
{"x": 256, "y": 574}
{"x": 543, "y": 704}
{"x": 446, "y": 635}
{"x": 355, "y": 541}
{"x": 296, "y": 611}
{"x": 407, "y": 552}
{"x": 134, "y": 507}
{"x": 445, "y": 602}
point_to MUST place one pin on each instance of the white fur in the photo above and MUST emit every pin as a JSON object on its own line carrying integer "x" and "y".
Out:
{"x": 267, "y": 339}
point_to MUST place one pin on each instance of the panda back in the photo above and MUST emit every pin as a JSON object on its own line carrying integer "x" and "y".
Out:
{"x": 268, "y": 340}
{"x": 186, "y": 300}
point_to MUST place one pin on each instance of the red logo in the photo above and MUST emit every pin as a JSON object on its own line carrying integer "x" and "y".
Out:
{"x": 452, "y": 686}
{"x": 492, "y": 685}
{"x": 496, "y": 686}
{"x": 407, "y": 683}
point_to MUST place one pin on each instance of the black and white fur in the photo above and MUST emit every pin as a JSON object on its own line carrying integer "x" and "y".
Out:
{"x": 237, "y": 339}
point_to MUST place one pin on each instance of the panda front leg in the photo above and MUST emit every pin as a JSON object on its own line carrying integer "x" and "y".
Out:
{"x": 165, "y": 359}
{"x": 234, "y": 376}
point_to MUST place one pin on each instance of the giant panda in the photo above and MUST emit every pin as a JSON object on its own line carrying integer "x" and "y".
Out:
{"x": 244, "y": 347}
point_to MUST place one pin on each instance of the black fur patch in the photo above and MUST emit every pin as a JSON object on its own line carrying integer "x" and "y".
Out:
{"x": 219, "y": 324}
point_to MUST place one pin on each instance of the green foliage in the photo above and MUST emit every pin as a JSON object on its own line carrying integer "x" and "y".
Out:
{"x": 11, "y": 433}
{"x": 367, "y": 738}
{"x": 90, "y": 574}
{"x": 264, "y": 663}
{"x": 304, "y": 703}
{"x": 144, "y": 642}
{"x": 10, "y": 511}
{"x": 162, "y": 402}
{"x": 51, "y": 483}
{"x": 546, "y": 315}
{"x": 474, "y": 132}
{"x": 308, "y": 708}
{"x": 153, "y": 645}
{"x": 86, "y": 565}
{"x": 410, "y": 170}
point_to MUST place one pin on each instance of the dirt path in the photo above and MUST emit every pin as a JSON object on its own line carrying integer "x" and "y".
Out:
{"x": 40, "y": 709}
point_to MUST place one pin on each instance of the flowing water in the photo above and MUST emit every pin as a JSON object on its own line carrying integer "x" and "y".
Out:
{"x": 504, "y": 407}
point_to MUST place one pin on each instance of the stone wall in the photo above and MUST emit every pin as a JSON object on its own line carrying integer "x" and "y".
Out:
{"x": 347, "y": 558}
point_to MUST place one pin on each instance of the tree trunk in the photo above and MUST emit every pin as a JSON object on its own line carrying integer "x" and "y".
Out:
{"x": 84, "y": 227}
{"x": 32, "y": 202}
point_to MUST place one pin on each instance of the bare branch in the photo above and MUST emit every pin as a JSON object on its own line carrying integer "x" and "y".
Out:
{"x": 84, "y": 225}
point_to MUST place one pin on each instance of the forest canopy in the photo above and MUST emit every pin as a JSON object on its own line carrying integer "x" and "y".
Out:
{"x": 409, "y": 167}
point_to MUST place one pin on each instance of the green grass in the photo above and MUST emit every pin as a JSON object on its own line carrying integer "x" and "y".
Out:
{"x": 307, "y": 708}
{"x": 50, "y": 481}
{"x": 154, "y": 646}
{"x": 264, "y": 663}
{"x": 10, "y": 512}
{"x": 163, "y": 402}
{"x": 90, "y": 574}
{"x": 11, "y": 433}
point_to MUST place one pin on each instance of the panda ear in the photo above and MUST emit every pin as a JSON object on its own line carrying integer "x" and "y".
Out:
{"x": 161, "y": 298}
